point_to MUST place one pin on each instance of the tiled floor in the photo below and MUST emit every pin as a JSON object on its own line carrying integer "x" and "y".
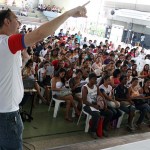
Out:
{"x": 44, "y": 124}
{"x": 45, "y": 132}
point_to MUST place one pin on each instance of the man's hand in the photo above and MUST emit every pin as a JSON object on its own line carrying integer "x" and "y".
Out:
{"x": 50, "y": 27}
{"x": 79, "y": 11}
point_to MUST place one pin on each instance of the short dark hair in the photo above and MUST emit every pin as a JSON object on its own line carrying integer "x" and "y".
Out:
{"x": 78, "y": 70}
{"x": 132, "y": 61}
{"x": 122, "y": 77}
{"x": 134, "y": 79}
{"x": 92, "y": 75}
{"x": 106, "y": 77}
{"x": 60, "y": 70}
{"x": 129, "y": 69}
{"x": 116, "y": 72}
{"x": 29, "y": 62}
{"x": 84, "y": 46}
{"x": 118, "y": 62}
{"x": 4, "y": 14}
{"x": 46, "y": 62}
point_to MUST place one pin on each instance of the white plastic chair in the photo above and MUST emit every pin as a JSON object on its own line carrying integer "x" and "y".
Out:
{"x": 57, "y": 105}
{"x": 121, "y": 118}
{"x": 42, "y": 90}
{"x": 88, "y": 117}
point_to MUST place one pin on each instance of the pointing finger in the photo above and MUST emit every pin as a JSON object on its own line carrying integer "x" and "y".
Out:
{"x": 86, "y": 4}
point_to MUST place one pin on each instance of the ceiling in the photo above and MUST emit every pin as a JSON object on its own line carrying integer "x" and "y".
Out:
{"x": 133, "y": 11}
{"x": 141, "y": 5}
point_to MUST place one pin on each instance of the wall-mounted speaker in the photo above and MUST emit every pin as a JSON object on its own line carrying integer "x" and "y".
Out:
{"x": 112, "y": 12}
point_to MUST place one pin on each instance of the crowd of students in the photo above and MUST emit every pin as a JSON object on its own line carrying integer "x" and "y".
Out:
{"x": 82, "y": 70}
{"x": 53, "y": 8}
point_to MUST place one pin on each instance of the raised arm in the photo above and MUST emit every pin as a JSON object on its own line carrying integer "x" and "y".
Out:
{"x": 50, "y": 27}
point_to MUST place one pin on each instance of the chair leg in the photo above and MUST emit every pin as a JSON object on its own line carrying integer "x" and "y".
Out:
{"x": 73, "y": 113}
{"x": 73, "y": 110}
{"x": 120, "y": 120}
{"x": 42, "y": 91}
{"x": 57, "y": 104}
{"x": 50, "y": 104}
{"x": 87, "y": 123}
{"x": 79, "y": 118}
{"x": 137, "y": 111}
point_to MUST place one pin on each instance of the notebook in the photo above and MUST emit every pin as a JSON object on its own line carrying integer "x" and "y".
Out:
{"x": 28, "y": 83}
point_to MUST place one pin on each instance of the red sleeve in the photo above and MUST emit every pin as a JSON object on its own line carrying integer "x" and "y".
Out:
{"x": 66, "y": 65}
{"x": 16, "y": 43}
{"x": 55, "y": 63}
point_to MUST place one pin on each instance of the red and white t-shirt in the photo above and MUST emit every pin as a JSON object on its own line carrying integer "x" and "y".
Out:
{"x": 11, "y": 86}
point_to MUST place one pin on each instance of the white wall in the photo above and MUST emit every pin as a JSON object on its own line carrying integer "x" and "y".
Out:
{"x": 2, "y": 1}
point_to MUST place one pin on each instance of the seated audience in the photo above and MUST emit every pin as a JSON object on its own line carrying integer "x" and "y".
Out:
{"x": 115, "y": 78}
{"x": 138, "y": 98}
{"x": 113, "y": 105}
{"x": 134, "y": 70}
{"x": 29, "y": 72}
{"x": 129, "y": 77}
{"x": 118, "y": 64}
{"x": 75, "y": 84}
{"x": 121, "y": 94}
{"x": 97, "y": 66}
{"x": 145, "y": 72}
{"x": 61, "y": 92}
{"x": 90, "y": 94}
{"x": 146, "y": 88}
{"x": 44, "y": 77}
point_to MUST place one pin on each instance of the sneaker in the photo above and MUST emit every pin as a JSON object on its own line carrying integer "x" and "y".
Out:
{"x": 94, "y": 135}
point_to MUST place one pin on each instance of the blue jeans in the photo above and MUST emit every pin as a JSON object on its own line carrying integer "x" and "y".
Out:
{"x": 116, "y": 113}
{"x": 144, "y": 109}
{"x": 95, "y": 117}
{"x": 11, "y": 128}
